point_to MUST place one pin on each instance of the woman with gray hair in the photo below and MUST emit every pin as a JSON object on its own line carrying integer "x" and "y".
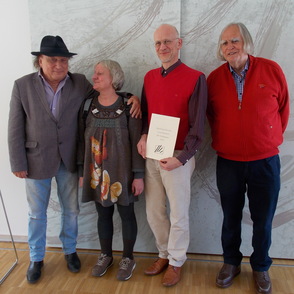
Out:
{"x": 112, "y": 168}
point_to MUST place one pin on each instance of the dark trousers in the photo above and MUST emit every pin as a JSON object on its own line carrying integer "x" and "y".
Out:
{"x": 260, "y": 179}
{"x": 105, "y": 228}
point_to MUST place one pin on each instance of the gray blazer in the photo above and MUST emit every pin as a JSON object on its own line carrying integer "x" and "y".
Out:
{"x": 38, "y": 141}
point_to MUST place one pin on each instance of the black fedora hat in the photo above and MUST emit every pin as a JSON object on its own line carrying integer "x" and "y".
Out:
{"x": 53, "y": 46}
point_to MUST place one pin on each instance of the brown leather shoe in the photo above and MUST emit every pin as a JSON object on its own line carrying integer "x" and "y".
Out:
{"x": 157, "y": 267}
{"x": 262, "y": 282}
{"x": 226, "y": 275}
{"x": 172, "y": 276}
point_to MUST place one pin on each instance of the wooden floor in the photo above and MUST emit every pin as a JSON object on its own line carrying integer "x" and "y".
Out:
{"x": 198, "y": 275}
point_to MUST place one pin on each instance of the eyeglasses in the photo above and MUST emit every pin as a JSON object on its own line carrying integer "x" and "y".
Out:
{"x": 233, "y": 41}
{"x": 54, "y": 60}
{"x": 157, "y": 44}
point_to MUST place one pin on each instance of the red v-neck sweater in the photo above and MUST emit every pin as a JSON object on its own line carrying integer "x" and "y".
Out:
{"x": 256, "y": 130}
{"x": 170, "y": 94}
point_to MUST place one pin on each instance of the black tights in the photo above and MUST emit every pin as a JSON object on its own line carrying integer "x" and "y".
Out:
{"x": 105, "y": 228}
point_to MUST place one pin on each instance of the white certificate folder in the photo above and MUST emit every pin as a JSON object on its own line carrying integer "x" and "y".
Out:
{"x": 162, "y": 136}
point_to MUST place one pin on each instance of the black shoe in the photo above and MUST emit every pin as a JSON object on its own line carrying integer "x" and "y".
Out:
{"x": 73, "y": 262}
{"x": 34, "y": 271}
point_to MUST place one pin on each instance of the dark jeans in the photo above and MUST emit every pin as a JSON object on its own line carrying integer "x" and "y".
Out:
{"x": 261, "y": 180}
{"x": 105, "y": 228}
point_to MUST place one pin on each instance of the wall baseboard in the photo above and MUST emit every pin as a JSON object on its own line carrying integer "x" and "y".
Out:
{"x": 7, "y": 238}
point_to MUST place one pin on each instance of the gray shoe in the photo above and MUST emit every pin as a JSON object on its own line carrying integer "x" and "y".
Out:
{"x": 126, "y": 267}
{"x": 102, "y": 265}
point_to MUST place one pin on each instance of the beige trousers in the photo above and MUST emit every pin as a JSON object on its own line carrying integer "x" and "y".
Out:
{"x": 169, "y": 226}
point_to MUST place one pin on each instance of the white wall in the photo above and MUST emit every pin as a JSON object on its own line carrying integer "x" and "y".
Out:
{"x": 16, "y": 61}
{"x": 122, "y": 30}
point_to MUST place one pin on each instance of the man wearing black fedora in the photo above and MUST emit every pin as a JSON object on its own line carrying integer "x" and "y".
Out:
{"x": 42, "y": 134}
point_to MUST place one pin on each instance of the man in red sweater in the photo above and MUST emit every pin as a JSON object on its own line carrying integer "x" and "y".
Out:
{"x": 179, "y": 91}
{"x": 248, "y": 110}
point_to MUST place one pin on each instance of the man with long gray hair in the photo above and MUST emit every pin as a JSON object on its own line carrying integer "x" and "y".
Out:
{"x": 248, "y": 110}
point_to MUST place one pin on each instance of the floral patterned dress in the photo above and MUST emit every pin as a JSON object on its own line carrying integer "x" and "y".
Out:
{"x": 110, "y": 157}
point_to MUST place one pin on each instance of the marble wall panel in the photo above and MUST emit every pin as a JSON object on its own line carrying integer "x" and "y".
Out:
{"x": 123, "y": 30}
